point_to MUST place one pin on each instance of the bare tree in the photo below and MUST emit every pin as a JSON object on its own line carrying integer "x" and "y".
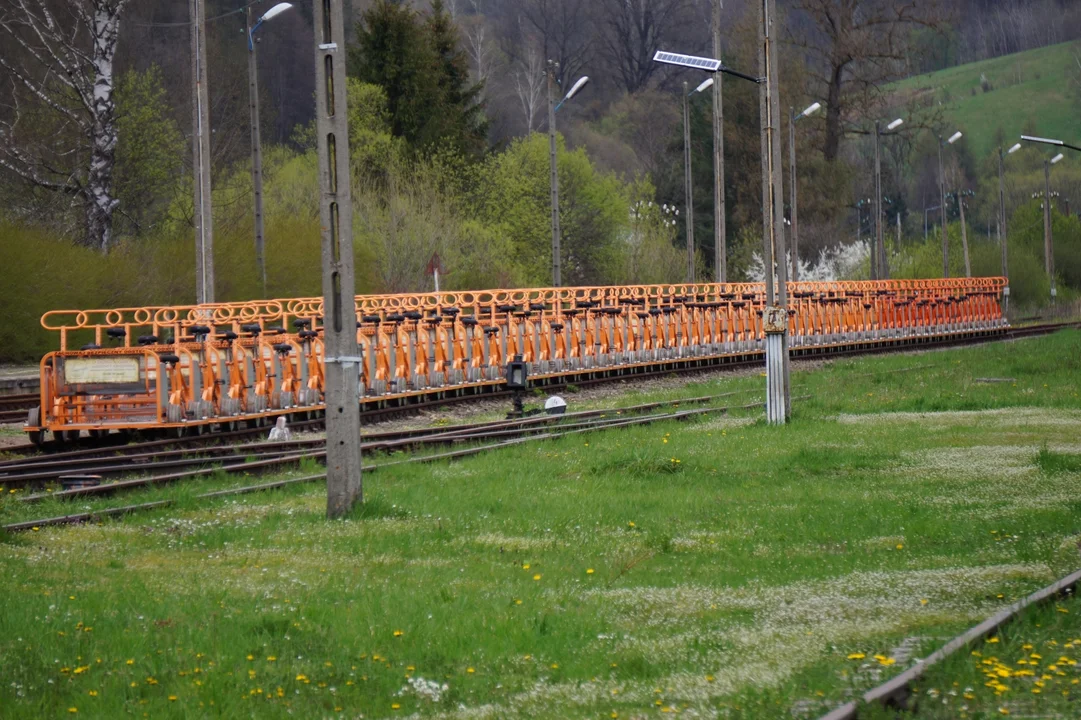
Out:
{"x": 58, "y": 57}
{"x": 854, "y": 47}
{"x": 631, "y": 31}
{"x": 478, "y": 43}
{"x": 529, "y": 83}
{"x": 562, "y": 30}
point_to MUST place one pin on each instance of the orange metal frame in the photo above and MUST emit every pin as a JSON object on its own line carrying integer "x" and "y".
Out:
{"x": 413, "y": 343}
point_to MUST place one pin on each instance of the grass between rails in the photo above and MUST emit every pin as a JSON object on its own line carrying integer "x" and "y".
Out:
{"x": 713, "y": 567}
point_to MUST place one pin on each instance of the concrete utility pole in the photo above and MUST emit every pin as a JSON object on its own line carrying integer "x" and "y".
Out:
{"x": 964, "y": 231}
{"x": 878, "y": 257}
{"x": 793, "y": 183}
{"x": 792, "y": 206}
{"x": 1048, "y": 248}
{"x": 720, "y": 252}
{"x": 200, "y": 147}
{"x": 342, "y": 359}
{"x": 1002, "y": 221}
{"x": 775, "y": 315}
{"x": 553, "y": 67}
{"x": 256, "y": 152}
{"x": 688, "y": 187}
{"x": 945, "y": 237}
{"x": 942, "y": 181}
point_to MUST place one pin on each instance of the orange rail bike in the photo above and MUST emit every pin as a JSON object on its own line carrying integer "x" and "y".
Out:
{"x": 181, "y": 369}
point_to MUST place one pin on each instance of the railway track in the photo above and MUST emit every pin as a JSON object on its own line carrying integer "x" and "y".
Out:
{"x": 13, "y": 408}
{"x": 477, "y": 438}
{"x": 897, "y": 693}
{"x": 106, "y": 462}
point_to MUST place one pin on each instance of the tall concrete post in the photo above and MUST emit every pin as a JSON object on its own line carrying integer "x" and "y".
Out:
{"x": 339, "y": 292}
{"x": 1048, "y": 242}
{"x": 945, "y": 236}
{"x": 878, "y": 257}
{"x": 964, "y": 231}
{"x": 203, "y": 216}
{"x": 720, "y": 252}
{"x": 1002, "y": 216}
{"x": 553, "y": 67}
{"x": 688, "y": 187}
{"x": 256, "y": 153}
{"x": 775, "y": 315}
{"x": 792, "y": 206}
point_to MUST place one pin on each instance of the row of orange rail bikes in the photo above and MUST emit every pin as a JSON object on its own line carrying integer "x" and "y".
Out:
{"x": 225, "y": 363}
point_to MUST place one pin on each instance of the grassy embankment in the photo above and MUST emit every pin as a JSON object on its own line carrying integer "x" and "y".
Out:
{"x": 717, "y": 566}
{"x": 1031, "y": 87}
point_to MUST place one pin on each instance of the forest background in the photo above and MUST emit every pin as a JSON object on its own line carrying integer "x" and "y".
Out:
{"x": 449, "y": 147}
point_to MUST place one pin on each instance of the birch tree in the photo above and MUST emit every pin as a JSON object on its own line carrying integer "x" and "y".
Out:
{"x": 57, "y": 57}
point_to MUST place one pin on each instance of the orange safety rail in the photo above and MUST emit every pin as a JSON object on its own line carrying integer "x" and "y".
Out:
{"x": 253, "y": 360}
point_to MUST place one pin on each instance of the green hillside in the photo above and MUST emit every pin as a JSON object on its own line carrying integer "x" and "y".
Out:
{"x": 1026, "y": 91}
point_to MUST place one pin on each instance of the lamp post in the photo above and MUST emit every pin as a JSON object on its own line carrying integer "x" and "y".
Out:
{"x": 794, "y": 250}
{"x": 720, "y": 251}
{"x": 879, "y": 265}
{"x": 1002, "y": 219}
{"x": 202, "y": 203}
{"x": 688, "y": 187}
{"x": 1048, "y": 239}
{"x": 1049, "y": 260}
{"x": 256, "y": 142}
{"x": 942, "y": 187}
{"x": 714, "y": 66}
{"x": 553, "y": 68}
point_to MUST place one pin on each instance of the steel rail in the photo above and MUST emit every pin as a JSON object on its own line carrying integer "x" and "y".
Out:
{"x": 895, "y": 692}
{"x": 465, "y": 452}
{"x": 316, "y": 453}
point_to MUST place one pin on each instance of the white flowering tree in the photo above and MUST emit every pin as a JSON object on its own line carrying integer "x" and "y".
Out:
{"x": 58, "y": 120}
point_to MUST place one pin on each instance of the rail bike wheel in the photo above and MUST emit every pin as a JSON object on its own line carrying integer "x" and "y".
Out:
{"x": 33, "y": 419}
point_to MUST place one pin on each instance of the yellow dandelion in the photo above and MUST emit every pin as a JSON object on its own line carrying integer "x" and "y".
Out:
{"x": 172, "y": 698}
{"x": 73, "y": 710}
{"x": 924, "y": 601}
{"x": 630, "y": 524}
{"x": 589, "y": 571}
{"x": 470, "y": 670}
{"x": 993, "y": 639}
{"x": 709, "y": 678}
{"x": 900, "y": 546}
{"x": 395, "y": 706}
{"x": 251, "y": 657}
{"x": 93, "y": 693}
{"x": 398, "y": 633}
{"x": 271, "y": 658}
{"x": 555, "y": 666}
{"x": 1004, "y": 711}
{"x": 857, "y": 656}
{"x": 537, "y": 576}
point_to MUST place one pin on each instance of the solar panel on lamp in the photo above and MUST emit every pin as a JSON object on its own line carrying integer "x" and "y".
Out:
{"x": 691, "y": 61}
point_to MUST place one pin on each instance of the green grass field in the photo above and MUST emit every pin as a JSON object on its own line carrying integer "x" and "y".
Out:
{"x": 716, "y": 567}
{"x": 1028, "y": 87}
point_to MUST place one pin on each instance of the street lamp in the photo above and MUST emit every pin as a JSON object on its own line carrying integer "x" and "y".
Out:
{"x": 553, "y": 68}
{"x": 687, "y": 183}
{"x": 1002, "y": 219}
{"x": 809, "y": 110}
{"x": 942, "y": 186}
{"x": 1048, "y": 242}
{"x": 713, "y": 66}
{"x": 256, "y": 142}
{"x": 879, "y": 266}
